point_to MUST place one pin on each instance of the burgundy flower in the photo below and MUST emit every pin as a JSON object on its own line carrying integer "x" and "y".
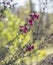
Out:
{"x": 36, "y": 16}
{"x": 32, "y": 47}
{"x": 28, "y": 48}
{"x": 32, "y": 16}
{"x": 25, "y": 29}
{"x": 31, "y": 22}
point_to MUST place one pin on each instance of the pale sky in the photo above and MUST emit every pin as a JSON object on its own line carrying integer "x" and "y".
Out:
{"x": 49, "y": 6}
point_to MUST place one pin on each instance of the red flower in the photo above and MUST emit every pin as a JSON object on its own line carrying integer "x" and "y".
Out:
{"x": 25, "y": 29}
{"x": 31, "y": 22}
{"x": 32, "y": 16}
{"x": 32, "y": 47}
{"x": 36, "y": 16}
{"x": 28, "y": 48}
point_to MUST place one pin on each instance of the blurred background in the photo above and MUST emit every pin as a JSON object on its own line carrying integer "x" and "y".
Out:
{"x": 14, "y": 13}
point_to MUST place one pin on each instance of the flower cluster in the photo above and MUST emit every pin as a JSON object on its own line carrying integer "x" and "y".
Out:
{"x": 24, "y": 29}
{"x": 30, "y": 21}
{"x": 33, "y": 16}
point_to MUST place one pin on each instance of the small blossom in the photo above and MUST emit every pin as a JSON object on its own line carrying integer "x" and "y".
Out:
{"x": 25, "y": 29}
{"x": 31, "y": 22}
{"x": 36, "y": 16}
{"x": 32, "y": 47}
{"x": 28, "y": 48}
{"x": 32, "y": 16}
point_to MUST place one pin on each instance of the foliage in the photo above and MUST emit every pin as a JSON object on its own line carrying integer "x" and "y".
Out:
{"x": 17, "y": 40}
{"x": 9, "y": 29}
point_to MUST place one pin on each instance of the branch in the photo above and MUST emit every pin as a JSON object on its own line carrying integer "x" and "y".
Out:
{"x": 19, "y": 55}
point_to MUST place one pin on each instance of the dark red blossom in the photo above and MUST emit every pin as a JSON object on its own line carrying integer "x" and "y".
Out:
{"x": 34, "y": 16}
{"x": 25, "y": 29}
{"x": 30, "y": 22}
{"x": 30, "y": 47}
